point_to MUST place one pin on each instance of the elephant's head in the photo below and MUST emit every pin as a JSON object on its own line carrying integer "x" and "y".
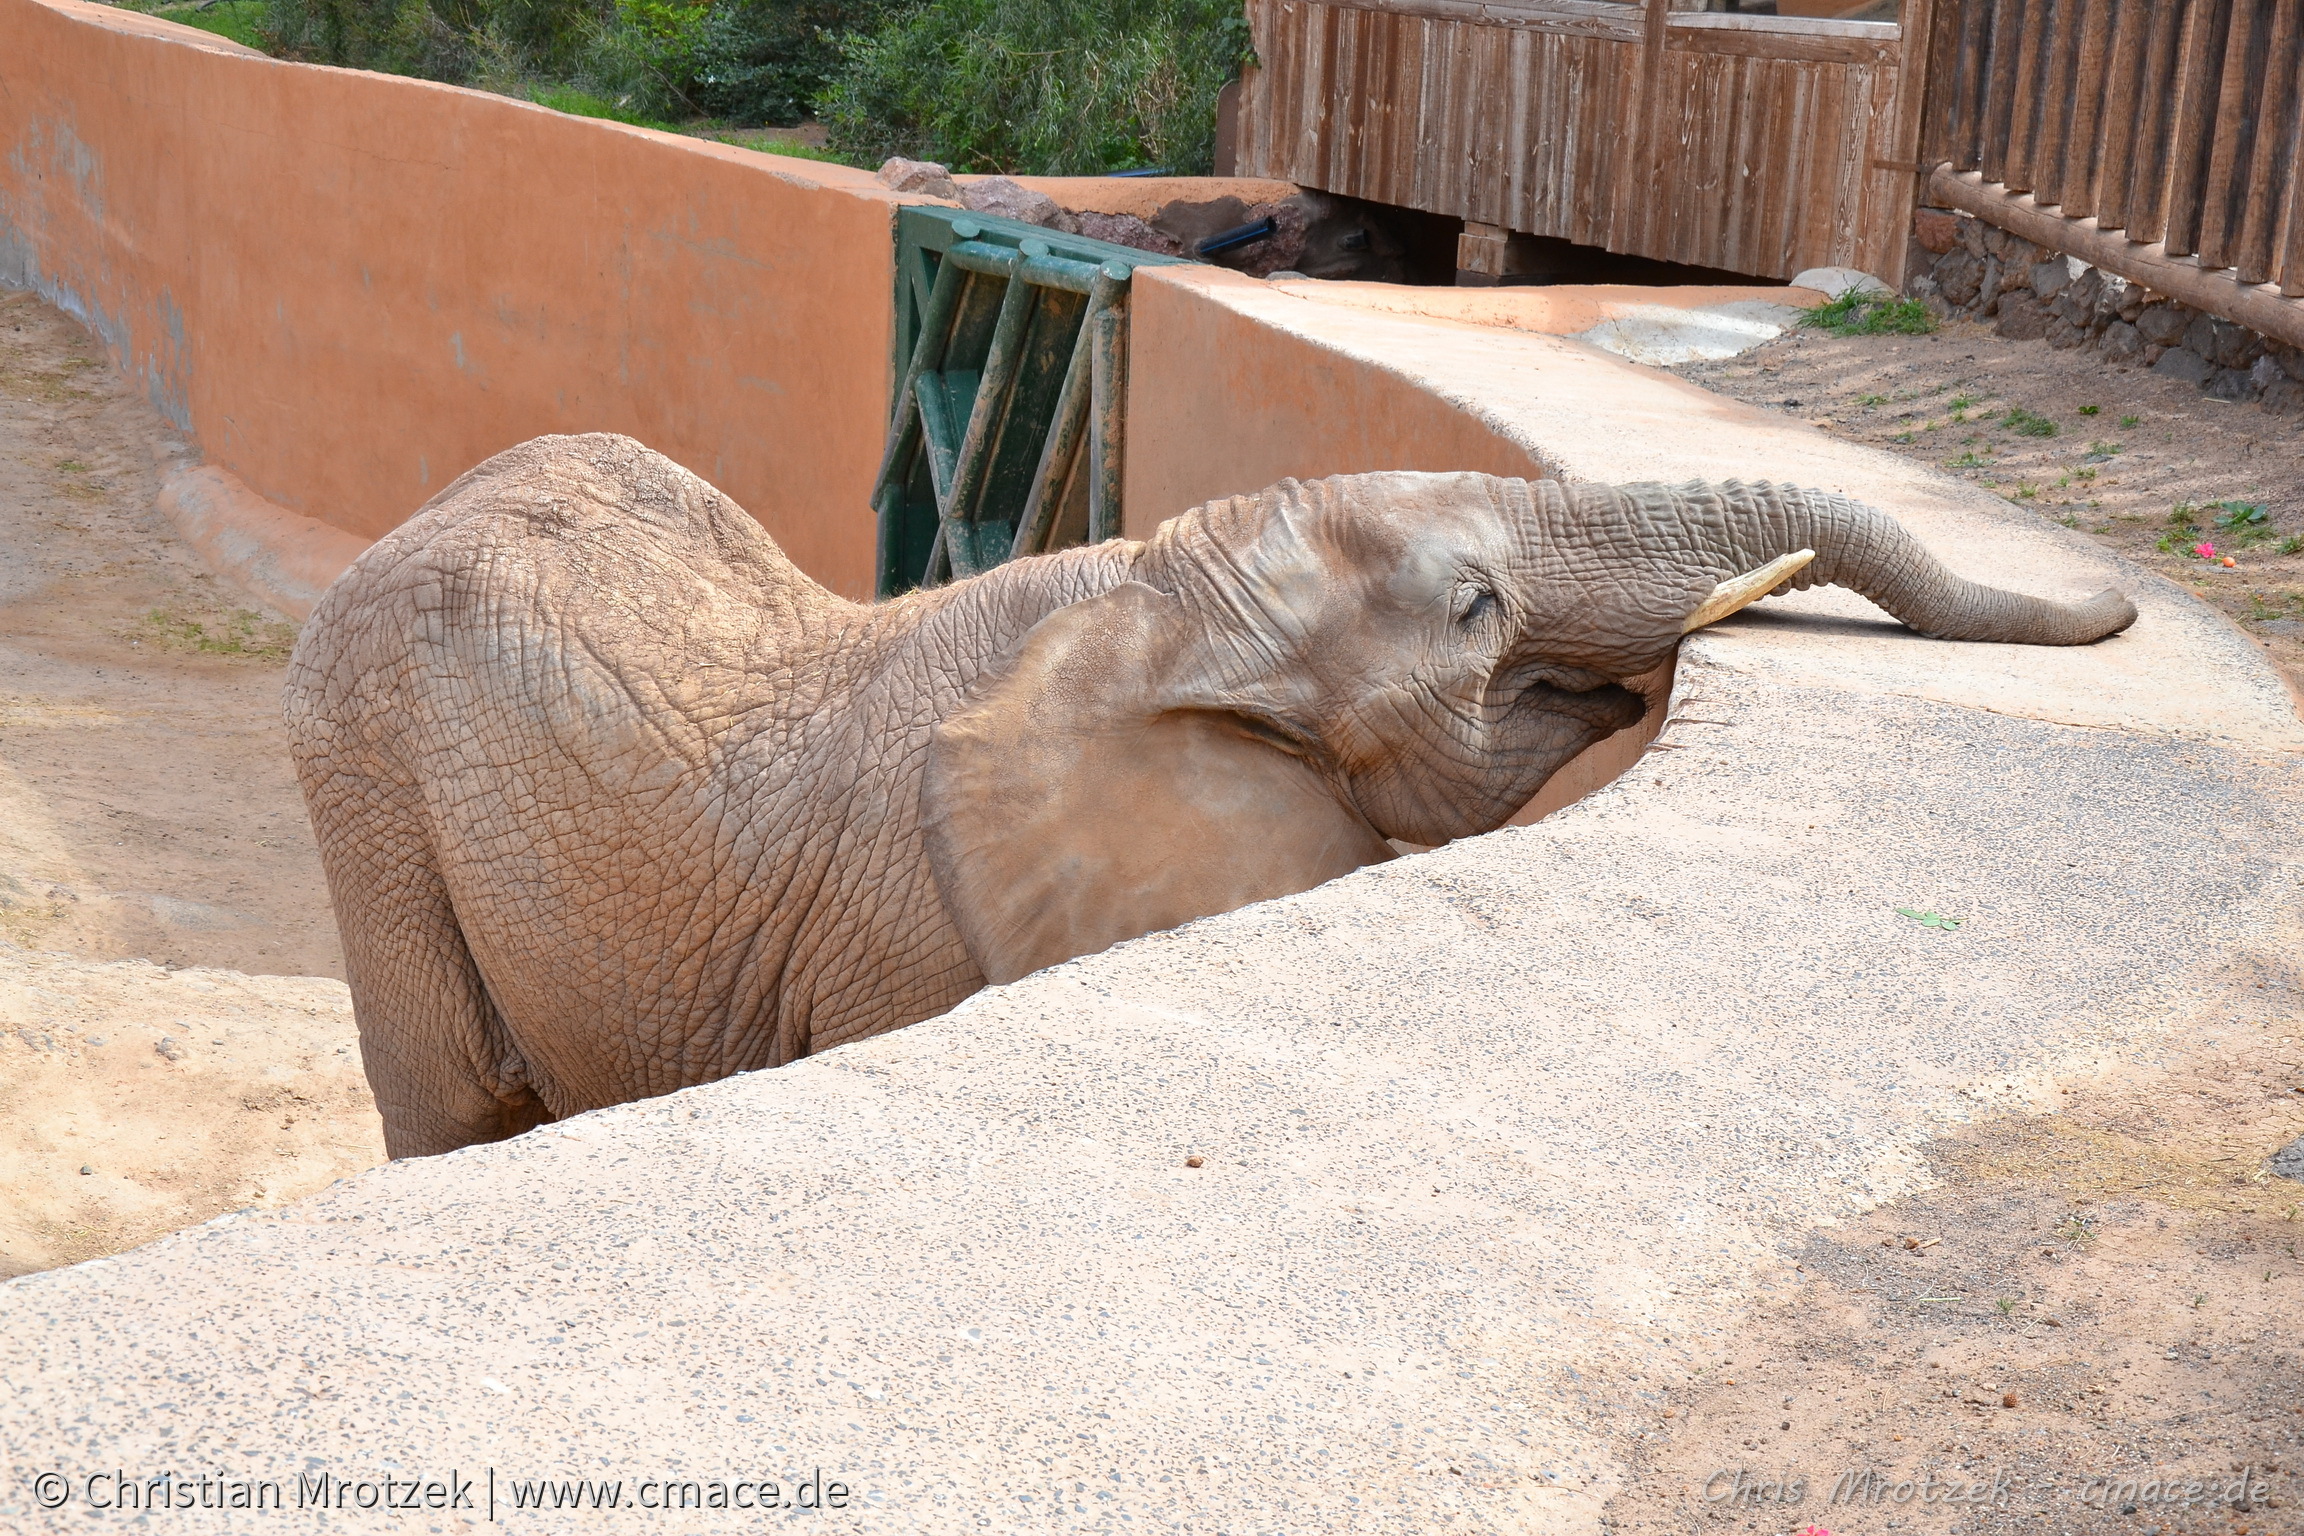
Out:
{"x": 1293, "y": 678}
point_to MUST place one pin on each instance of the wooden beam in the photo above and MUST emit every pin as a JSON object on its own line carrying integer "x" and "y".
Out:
{"x": 2260, "y": 308}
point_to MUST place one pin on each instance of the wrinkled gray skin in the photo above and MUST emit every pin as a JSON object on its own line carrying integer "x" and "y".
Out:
{"x": 613, "y": 800}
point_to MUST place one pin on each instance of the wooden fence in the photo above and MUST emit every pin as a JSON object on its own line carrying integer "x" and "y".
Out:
{"x": 2173, "y": 121}
{"x": 1754, "y": 144}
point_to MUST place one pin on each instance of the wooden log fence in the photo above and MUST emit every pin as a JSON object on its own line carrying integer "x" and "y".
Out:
{"x": 2174, "y": 123}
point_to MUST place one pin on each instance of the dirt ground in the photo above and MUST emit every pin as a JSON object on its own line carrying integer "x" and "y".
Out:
{"x": 2147, "y": 465}
{"x": 147, "y": 805}
{"x": 2092, "y": 1318}
{"x": 2110, "y": 1293}
{"x": 148, "y": 818}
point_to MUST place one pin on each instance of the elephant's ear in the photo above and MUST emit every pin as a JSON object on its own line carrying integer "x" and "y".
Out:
{"x": 1093, "y": 790}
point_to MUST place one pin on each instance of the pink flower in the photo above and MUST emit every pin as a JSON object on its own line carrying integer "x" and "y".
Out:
{"x": 1815, "y": 1530}
{"x": 2204, "y": 551}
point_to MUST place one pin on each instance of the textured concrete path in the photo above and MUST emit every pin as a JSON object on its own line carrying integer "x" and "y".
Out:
{"x": 1495, "y": 1141}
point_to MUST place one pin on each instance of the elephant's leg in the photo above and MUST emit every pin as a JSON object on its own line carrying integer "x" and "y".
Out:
{"x": 438, "y": 1056}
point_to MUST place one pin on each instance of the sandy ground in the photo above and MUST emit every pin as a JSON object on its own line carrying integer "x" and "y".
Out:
{"x": 148, "y": 817}
{"x": 2148, "y": 465}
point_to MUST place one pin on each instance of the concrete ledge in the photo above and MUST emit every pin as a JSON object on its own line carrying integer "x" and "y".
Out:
{"x": 1658, "y": 326}
{"x": 278, "y": 557}
{"x": 1494, "y": 1139}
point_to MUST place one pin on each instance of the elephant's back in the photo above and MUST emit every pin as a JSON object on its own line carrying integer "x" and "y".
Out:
{"x": 589, "y": 552}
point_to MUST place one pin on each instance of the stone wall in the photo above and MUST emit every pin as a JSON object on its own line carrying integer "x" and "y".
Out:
{"x": 1982, "y": 272}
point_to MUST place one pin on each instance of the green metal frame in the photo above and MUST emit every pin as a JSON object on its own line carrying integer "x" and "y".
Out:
{"x": 1008, "y": 423}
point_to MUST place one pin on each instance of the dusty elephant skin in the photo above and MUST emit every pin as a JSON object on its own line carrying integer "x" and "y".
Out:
{"x": 614, "y": 800}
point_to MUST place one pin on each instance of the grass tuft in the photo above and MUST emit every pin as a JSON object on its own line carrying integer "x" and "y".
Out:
{"x": 240, "y": 633}
{"x": 1860, "y": 314}
{"x": 577, "y": 102}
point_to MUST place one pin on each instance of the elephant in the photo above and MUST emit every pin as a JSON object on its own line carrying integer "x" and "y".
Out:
{"x": 613, "y": 800}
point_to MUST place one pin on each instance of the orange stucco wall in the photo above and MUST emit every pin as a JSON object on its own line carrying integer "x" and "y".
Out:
{"x": 1221, "y": 403}
{"x": 352, "y": 287}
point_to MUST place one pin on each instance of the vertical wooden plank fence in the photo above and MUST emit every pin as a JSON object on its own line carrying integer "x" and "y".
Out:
{"x": 1752, "y": 144}
{"x": 2174, "y": 122}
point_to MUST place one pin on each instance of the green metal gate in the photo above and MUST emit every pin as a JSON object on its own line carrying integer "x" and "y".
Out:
{"x": 1005, "y": 435}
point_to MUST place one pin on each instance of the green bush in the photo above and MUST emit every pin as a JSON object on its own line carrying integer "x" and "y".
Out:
{"x": 401, "y": 37}
{"x": 1048, "y": 87}
{"x": 740, "y": 61}
{"x": 1025, "y": 86}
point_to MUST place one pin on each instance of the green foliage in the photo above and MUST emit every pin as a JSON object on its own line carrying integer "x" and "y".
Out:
{"x": 581, "y": 103}
{"x": 1053, "y": 87}
{"x": 2246, "y": 523}
{"x": 2028, "y": 423}
{"x": 1025, "y": 86}
{"x": 1857, "y": 314}
{"x": 401, "y": 37}
{"x": 742, "y": 61}
{"x": 1930, "y": 919}
{"x": 240, "y": 20}
{"x": 2184, "y": 517}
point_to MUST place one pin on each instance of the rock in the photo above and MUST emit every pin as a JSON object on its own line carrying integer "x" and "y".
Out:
{"x": 2152, "y": 355}
{"x": 2232, "y": 384}
{"x": 2049, "y": 278}
{"x": 2063, "y": 334}
{"x": 1971, "y": 236}
{"x": 2163, "y": 324}
{"x": 2022, "y": 317}
{"x": 1835, "y": 281}
{"x": 1124, "y": 229}
{"x": 1937, "y": 229}
{"x": 2111, "y": 294}
{"x": 2288, "y": 1162}
{"x": 2236, "y": 346}
{"x": 1988, "y": 287}
{"x": 2120, "y": 343}
{"x": 2200, "y": 336}
{"x": 1923, "y": 287}
{"x": 2285, "y": 397}
{"x": 2266, "y": 372}
{"x": 925, "y": 177}
{"x": 2078, "y": 302}
{"x": 2290, "y": 359}
{"x": 1958, "y": 276}
{"x": 1189, "y": 223}
{"x": 1005, "y": 199}
{"x": 2014, "y": 251}
{"x": 169, "y": 1048}
{"x": 2185, "y": 364}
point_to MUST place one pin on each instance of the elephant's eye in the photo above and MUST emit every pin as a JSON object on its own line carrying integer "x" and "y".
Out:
{"x": 1474, "y": 604}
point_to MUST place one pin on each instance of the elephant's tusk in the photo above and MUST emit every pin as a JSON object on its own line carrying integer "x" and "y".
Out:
{"x": 1742, "y": 591}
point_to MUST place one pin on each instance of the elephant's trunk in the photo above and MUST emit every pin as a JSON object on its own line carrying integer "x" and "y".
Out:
{"x": 1744, "y": 526}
